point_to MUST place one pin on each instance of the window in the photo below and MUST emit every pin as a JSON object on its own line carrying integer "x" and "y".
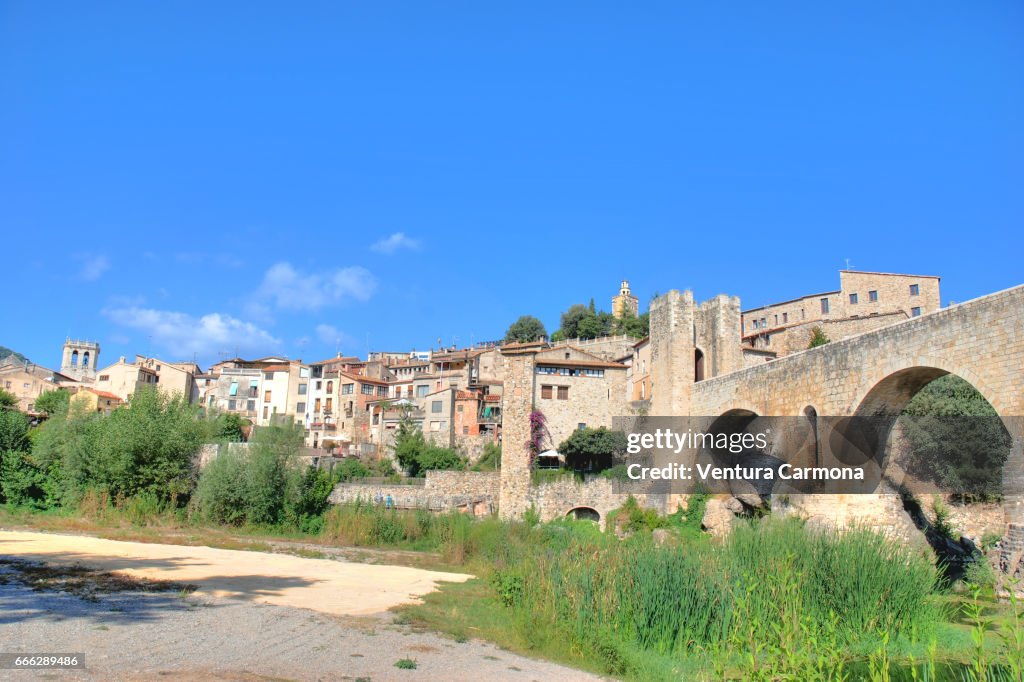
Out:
{"x": 265, "y": 412}
{"x": 545, "y": 392}
{"x": 231, "y": 404}
{"x": 302, "y": 389}
{"x": 328, "y": 404}
{"x": 319, "y": 385}
{"x": 873, "y": 296}
{"x": 250, "y": 405}
{"x": 915, "y": 289}
{"x": 776, "y": 319}
{"x": 421, "y": 391}
{"x": 382, "y": 391}
{"x": 458, "y": 408}
{"x": 764, "y": 323}
{"x": 435, "y": 406}
{"x": 853, "y": 299}
{"x": 581, "y": 426}
{"x": 234, "y": 388}
{"x": 563, "y": 392}
{"x": 330, "y": 387}
{"x": 268, "y": 376}
{"x": 316, "y": 405}
{"x": 254, "y": 388}
{"x": 304, "y": 372}
{"x": 300, "y": 408}
{"x": 915, "y": 312}
{"x": 465, "y": 430}
{"x": 266, "y": 396}
{"x": 104, "y": 377}
{"x": 348, "y": 389}
{"x": 366, "y": 389}
{"x": 754, "y": 324}
{"x": 824, "y": 306}
{"x": 785, "y": 318}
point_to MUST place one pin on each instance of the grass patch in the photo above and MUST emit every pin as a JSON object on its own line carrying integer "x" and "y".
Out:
{"x": 405, "y": 664}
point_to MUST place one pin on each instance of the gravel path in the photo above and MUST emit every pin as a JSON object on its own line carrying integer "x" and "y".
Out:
{"x": 131, "y": 635}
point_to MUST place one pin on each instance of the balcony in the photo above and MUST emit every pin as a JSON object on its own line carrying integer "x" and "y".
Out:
{"x": 324, "y": 426}
{"x": 492, "y": 418}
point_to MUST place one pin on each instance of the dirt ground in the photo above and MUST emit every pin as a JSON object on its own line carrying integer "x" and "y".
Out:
{"x": 252, "y": 616}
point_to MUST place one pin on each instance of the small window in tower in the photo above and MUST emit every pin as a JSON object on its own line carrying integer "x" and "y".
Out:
{"x": 853, "y": 299}
{"x": 915, "y": 290}
{"x": 873, "y": 296}
{"x": 824, "y": 306}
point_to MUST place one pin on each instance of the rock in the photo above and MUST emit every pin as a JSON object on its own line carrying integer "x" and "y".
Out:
{"x": 735, "y": 506}
{"x": 718, "y": 520}
{"x": 750, "y": 500}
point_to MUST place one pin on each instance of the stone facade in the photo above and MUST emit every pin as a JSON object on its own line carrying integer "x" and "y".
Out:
{"x": 797, "y": 337}
{"x": 860, "y": 295}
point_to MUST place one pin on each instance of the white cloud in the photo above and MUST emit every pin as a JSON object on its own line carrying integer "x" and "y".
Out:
{"x": 328, "y": 333}
{"x": 182, "y": 334}
{"x": 93, "y": 266}
{"x": 290, "y": 289}
{"x": 391, "y": 244}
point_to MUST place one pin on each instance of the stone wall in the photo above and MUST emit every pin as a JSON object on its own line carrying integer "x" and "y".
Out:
{"x": 472, "y": 491}
{"x": 558, "y": 499}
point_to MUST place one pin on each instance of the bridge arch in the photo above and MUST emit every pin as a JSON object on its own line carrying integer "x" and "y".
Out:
{"x": 584, "y": 514}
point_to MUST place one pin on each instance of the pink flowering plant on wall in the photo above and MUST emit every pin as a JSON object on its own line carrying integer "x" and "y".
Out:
{"x": 539, "y": 436}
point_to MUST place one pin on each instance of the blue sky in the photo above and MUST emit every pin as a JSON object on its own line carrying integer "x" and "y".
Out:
{"x": 295, "y": 178}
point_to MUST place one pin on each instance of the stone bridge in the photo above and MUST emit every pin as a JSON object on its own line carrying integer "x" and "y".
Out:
{"x": 875, "y": 373}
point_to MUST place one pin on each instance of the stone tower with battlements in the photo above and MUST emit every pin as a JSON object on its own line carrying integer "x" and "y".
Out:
{"x": 690, "y": 343}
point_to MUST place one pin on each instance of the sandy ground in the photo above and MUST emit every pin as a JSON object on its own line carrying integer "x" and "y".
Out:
{"x": 325, "y": 585}
{"x": 255, "y": 616}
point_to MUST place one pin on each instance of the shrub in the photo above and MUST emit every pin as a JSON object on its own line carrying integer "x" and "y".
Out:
{"x": 263, "y": 485}
{"x": 593, "y": 449}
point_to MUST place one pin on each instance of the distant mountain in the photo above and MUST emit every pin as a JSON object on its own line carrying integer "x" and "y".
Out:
{"x": 6, "y": 352}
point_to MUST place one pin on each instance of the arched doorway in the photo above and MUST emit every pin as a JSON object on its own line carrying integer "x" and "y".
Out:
{"x": 584, "y": 514}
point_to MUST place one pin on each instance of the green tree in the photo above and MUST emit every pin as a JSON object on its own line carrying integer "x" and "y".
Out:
{"x": 13, "y": 430}
{"x": 818, "y": 338}
{"x": 53, "y": 401}
{"x": 590, "y": 449}
{"x": 8, "y": 401}
{"x": 633, "y": 325}
{"x": 263, "y": 484}
{"x": 570, "y": 321}
{"x": 526, "y": 328}
{"x": 229, "y": 427}
{"x": 957, "y": 439}
{"x": 149, "y": 446}
{"x": 350, "y": 468}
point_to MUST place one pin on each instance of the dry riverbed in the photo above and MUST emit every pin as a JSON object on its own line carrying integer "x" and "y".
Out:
{"x": 139, "y": 610}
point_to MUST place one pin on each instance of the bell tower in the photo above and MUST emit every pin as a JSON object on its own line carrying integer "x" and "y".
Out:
{"x": 625, "y": 303}
{"x": 79, "y": 359}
